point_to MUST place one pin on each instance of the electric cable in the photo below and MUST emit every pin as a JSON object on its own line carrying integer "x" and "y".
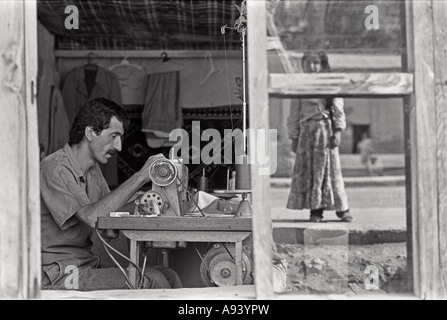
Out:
{"x": 192, "y": 198}
{"x": 201, "y": 258}
{"x": 231, "y": 256}
{"x": 106, "y": 245}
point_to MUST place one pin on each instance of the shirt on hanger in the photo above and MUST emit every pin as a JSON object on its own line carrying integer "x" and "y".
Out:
{"x": 76, "y": 94}
{"x": 162, "y": 109}
{"x": 133, "y": 84}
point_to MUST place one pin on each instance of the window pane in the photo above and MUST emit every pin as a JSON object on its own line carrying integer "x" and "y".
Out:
{"x": 366, "y": 174}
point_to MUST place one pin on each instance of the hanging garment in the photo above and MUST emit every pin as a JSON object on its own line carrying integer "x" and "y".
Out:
{"x": 82, "y": 85}
{"x": 162, "y": 112}
{"x": 132, "y": 82}
{"x": 47, "y": 80}
{"x": 58, "y": 125}
{"x": 75, "y": 90}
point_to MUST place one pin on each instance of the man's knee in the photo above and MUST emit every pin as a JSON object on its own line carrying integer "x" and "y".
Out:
{"x": 172, "y": 277}
{"x": 155, "y": 280}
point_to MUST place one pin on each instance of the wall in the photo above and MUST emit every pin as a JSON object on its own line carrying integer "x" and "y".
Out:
{"x": 385, "y": 118}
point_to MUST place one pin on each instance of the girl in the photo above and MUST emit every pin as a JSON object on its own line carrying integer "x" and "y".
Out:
{"x": 315, "y": 127}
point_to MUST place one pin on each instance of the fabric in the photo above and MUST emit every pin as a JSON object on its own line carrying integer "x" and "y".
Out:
{"x": 64, "y": 191}
{"x": 211, "y": 204}
{"x": 162, "y": 110}
{"x": 57, "y": 276}
{"x": 76, "y": 93}
{"x": 317, "y": 181}
{"x": 132, "y": 82}
{"x": 53, "y": 127}
{"x": 307, "y": 109}
{"x": 58, "y": 124}
{"x": 142, "y": 24}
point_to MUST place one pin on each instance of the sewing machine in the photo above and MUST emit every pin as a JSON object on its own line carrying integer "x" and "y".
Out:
{"x": 169, "y": 194}
{"x": 159, "y": 222}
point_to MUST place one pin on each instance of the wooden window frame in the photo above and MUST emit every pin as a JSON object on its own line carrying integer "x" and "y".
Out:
{"x": 424, "y": 90}
{"x": 426, "y": 148}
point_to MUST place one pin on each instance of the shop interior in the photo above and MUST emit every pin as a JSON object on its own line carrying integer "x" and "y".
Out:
{"x": 170, "y": 64}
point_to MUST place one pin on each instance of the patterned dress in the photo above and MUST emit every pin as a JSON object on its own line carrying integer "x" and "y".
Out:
{"x": 317, "y": 181}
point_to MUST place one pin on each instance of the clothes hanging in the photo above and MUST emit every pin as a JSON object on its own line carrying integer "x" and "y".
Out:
{"x": 75, "y": 90}
{"x": 132, "y": 82}
{"x": 162, "y": 109}
{"x": 58, "y": 124}
{"x": 50, "y": 106}
{"x": 81, "y": 86}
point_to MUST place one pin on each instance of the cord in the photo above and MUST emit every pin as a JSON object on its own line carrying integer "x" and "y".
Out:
{"x": 192, "y": 198}
{"x": 228, "y": 251}
{"x": 108, "y": 246}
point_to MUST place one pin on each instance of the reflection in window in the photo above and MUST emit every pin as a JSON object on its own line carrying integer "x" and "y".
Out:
{"x": 368, "y": 255}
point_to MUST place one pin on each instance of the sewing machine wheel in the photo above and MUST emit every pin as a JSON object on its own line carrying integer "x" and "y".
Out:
{"x": 218, "y": 269}
{"x": 163, "y": 172}
{"x": 151, "y": 199}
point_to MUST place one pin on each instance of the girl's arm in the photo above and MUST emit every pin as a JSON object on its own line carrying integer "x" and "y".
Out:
{"x": 339, "y": 114}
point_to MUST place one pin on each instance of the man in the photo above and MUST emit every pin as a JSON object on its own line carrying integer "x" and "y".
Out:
{"x": 74, "y": 194}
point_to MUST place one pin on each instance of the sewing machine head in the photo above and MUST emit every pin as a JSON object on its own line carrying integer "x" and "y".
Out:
{"x": 168, "y": 196}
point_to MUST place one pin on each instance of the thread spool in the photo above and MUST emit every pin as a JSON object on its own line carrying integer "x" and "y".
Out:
{"x": 233, "y": 180}
{"x": 243, "y": 175}
{"x": 203, "y": 183}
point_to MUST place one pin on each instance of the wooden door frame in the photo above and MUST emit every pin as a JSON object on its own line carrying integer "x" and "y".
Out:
{"x": 424, "y": 90}
{"x": 20, "y": 265}
{"x": 427, "y": 122}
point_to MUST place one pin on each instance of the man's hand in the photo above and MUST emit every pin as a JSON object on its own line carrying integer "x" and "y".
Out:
{"x": 144, "y": 172}
{"x": 336, "y": 139}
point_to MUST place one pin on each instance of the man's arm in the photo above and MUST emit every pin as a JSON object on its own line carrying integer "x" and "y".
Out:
{"x": 116, "y": 199}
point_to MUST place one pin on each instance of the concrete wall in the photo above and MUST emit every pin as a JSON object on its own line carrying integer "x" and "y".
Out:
{"x": 385, "y": 118}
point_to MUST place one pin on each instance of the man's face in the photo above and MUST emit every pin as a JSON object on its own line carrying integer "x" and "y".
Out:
{"x": 106, "y": 144}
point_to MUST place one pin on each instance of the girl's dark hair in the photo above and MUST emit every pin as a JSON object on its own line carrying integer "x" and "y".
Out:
{"x": 325, "y": 67}
{"x": 96, "y": 113}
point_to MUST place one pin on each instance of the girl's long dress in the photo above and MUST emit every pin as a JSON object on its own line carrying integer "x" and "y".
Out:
{"x": 317, "y": 181}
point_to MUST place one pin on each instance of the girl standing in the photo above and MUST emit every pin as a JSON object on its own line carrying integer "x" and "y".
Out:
{"x": 315, "y": 127}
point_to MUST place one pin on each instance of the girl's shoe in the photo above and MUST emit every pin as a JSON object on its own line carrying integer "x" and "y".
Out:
{"x": 316, "y": 215}
{"x": 345, "y": 216}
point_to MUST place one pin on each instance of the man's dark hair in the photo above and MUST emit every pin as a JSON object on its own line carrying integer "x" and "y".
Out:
{"x": 96, "y": 113}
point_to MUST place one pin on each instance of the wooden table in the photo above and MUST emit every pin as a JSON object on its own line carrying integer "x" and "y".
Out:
{"x": 140, "y": 229}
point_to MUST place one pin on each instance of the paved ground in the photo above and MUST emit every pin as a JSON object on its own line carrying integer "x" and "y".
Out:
{"x": 379, "y": 212}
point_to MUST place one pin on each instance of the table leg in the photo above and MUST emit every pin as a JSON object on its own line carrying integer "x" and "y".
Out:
{"x": 135, "y": 257}
{"x": 239, "y": 280}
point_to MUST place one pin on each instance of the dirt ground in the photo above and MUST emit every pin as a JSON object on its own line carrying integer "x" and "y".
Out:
{"x": 326, "y": 269}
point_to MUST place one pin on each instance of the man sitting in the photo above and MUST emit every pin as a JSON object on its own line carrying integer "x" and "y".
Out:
{"x": 74, "y": 194}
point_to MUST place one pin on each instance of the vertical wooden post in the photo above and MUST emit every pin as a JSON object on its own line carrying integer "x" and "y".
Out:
{"x": 440, "y": 92}
{"x": 408, "y": 101}
{"x": 428, "y": 126}
{"x": 19, "y": 153}
{"x": 259, "y": 119}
